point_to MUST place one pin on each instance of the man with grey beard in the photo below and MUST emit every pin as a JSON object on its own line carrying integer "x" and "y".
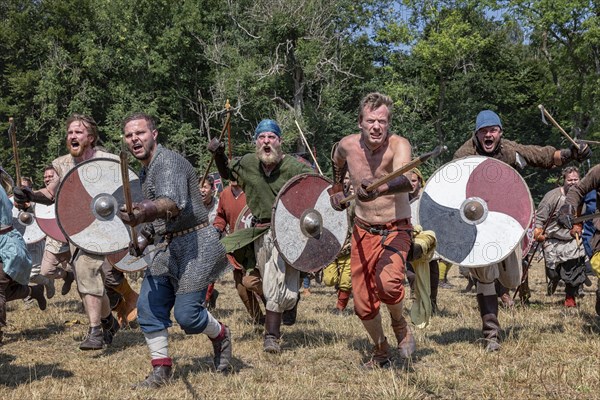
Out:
{"x": 262, "y": 175}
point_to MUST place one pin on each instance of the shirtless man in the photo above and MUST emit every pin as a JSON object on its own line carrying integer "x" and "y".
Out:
{"x": 381, "y": 236}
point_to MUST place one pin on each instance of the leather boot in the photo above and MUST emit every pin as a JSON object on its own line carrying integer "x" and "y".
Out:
{"x": 488, "y": 308}
{"x": 94, "y": 340}
{"x": 222, "y": 350}
{"x": 249, "y": 299}
{"x": 380, "y": 357}
{"x": 342, "y": 300}
{"x": 471, "y": 283}
{"x": 37, "y": 292}
{"x": 160, "y": 376}
{"x": 272, "y": 332}
{"x": 47, "y": 282}
{"x": 110, "y": 327}
{"x": 127, "y": 307}
{"x": 405, "y": 338}
{"x": 289, "y": 316}
{"x": 66, "y": 287}
{"x": 598, "y": 302}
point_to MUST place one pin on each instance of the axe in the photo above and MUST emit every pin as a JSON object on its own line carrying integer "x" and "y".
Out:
{"x": 226, "y": 127}
{"x": 565, "y": 134}
{"x": 400, "y": 171}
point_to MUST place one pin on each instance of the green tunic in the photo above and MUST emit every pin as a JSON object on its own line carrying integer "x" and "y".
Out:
{"x": 261, "y": 190}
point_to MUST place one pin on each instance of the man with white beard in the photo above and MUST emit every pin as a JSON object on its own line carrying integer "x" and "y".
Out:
{"x": 262, "y": 175}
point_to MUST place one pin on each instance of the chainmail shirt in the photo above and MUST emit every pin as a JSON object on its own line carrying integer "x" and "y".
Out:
{"x": 193, "y": 260}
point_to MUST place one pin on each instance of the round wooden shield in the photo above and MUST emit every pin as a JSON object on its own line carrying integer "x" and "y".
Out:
{"x": 26, "y": 223}
{"x": 46, "y": 219}
{"x": 244, "y": 220}
{"x": 125, "y": 262}
{"x": 87, "y": 202}
{"x": 479, "y": 208}
{"x": 308, "y": 232}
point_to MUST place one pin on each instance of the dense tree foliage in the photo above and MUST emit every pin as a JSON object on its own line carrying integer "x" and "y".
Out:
{"x": 299, "y": 61}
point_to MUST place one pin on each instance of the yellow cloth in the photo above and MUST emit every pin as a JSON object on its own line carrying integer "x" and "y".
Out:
{"x": 338, "y": 273}
{"x": 444, "y": 268}
{"x": 420, "y": 312}
{"x": 595, "y": 261}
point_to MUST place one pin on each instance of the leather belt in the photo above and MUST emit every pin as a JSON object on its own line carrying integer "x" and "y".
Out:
{"x": 170, "y": 236}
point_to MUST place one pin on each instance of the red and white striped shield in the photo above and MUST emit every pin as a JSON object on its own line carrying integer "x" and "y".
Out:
{"x": 479, "y": 208}
{"x": 308, "y": 232}
{"x": 87, "y": 202}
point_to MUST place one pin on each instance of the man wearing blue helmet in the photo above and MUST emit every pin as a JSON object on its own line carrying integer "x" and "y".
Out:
{"x": 487, "y": 141}
{"x": 262, "y": 175}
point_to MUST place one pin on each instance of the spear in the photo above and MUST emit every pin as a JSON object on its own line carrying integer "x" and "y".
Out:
{"x": 12, "y": 132}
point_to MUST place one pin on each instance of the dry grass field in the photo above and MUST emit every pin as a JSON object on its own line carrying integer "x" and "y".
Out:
{"x": 547, "y": 353}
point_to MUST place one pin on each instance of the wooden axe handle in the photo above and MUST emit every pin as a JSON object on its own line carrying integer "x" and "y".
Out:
{"x": 547, "y": 114}
{"x": 400, "y": 171}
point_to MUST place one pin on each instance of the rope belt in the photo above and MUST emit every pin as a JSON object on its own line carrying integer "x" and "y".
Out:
{"x": 172, "y": 235}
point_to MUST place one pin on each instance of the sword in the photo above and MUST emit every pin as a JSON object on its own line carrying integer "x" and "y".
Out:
{"x": 400, "y": 171}
{"x": 586, "y": 217}
{"x": 127, "y": 187}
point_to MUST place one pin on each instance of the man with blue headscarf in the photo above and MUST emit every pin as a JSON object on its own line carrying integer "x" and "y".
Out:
{"x": 487, "y": 141}
{"x": 262, "y": 175}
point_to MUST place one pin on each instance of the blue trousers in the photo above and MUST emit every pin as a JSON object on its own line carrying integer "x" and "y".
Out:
{"x": 157, "y": 299}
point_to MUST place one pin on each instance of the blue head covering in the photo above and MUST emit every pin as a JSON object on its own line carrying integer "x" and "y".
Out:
{"x": 487, "y": 118}
{"x": 267, "y": 125}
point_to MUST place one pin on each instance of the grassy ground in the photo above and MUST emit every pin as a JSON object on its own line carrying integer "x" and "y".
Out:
{"x": 548, "y": 353}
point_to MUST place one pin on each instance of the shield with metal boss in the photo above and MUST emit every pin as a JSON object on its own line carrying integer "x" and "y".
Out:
{"x": 308, "y": 232}
{"x": 26, "y": 223}
{"x": 480, "y": 209}
{"x": 87, "y": 203}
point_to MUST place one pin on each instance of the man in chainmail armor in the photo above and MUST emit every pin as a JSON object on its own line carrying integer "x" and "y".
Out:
{"x": 190, "y": 255}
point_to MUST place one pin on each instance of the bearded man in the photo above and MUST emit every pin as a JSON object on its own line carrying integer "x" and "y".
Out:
{"x": 262, "y": 175}
{"x": 564, "y": 255}
{"x": 190, "y": 256}
{"x": 81, "y": 140}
